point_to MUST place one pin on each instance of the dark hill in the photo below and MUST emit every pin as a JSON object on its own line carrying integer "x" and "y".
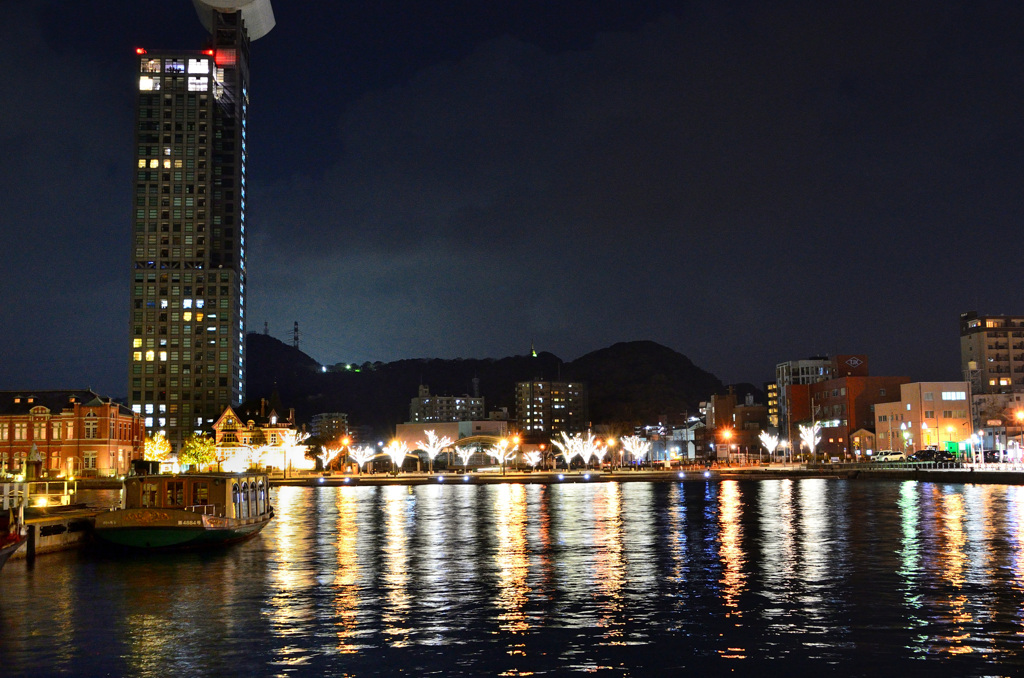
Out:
{"x": 642, "y": 381}
{"x": 628, "y": 383}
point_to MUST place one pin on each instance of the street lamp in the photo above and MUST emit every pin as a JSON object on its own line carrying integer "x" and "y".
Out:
{"x": 727, "y": 436}
{"x": 346, "y": 443}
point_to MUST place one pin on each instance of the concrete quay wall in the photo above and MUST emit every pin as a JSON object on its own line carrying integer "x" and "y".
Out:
{"x": 50, "y": 533}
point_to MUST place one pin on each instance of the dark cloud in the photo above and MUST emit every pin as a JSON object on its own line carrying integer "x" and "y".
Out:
{"x": 743, "y": 182}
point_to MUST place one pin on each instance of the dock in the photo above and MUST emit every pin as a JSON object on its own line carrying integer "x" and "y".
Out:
{"x": 53, "y": 522}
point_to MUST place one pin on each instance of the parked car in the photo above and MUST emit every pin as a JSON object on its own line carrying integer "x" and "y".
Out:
{"x": 934, "y": 455}
{"x": 889, "y": 455}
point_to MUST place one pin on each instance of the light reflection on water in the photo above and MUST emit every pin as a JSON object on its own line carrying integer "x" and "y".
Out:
{"x": 511, "y": 557}
{"x": 731, "y": 535}
{"x": 631, "y": 579}
{"x": 610, "y": 568}
{"x": 348, "y": 573}
{"x": 398, "y": 512}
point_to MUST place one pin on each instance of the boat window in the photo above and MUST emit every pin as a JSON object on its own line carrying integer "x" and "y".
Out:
{"x": 235, "y": 499}
{"x": 253, "y": 501}
{"x": 149, "y": 494}
{"x": 245, "y": 501}
{"x": 261, "y": 501}
{"x": 175, "y": 493}
{"x": 200, "y": 493}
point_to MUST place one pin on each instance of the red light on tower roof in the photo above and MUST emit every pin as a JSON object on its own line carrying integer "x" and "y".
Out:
{"x": 224, "y": 57}
{"x": 208, "y": 52}
{"x": 140, "y": 50}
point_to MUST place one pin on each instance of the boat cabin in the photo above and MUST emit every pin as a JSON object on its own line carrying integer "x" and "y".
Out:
{"x": 225, "y": 495}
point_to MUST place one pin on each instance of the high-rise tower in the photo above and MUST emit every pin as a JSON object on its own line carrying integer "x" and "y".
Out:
{"x": 187, "y": 322}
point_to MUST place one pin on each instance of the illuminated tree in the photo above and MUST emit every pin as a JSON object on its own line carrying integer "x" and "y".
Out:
{"x": 770, "y": 442}
{"x": 433, "y": 447}
{"x": 327, "y": 453}
{"x": 532, "y": 458}
{"x": 504, "y": 450}
{"x": 198, "y": 450}
{"x": 293, "y": 439}
{"x": 292, "y": 447}
{"x": 809, "y": 436}
{"x": 571, "y": 446}
{"x": 568, "y": 446}
{"x": 464, "y": 453}
{"x": 600, "y": 451}
{"x": 588, "y": 448}
{"x": 397, "y": 451}
{"x": 637, "y": 447}
{"x": 157, "y": 448}
{"x": 363, "y": 454}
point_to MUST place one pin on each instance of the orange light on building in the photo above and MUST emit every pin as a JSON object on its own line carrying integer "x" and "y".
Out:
{"x": 140, "y": 50}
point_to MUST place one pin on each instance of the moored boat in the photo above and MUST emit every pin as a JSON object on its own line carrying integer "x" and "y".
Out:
{"x": 187, "y": 511}
{"x": 12, "y": 520}
{"x": 8, "y": 545}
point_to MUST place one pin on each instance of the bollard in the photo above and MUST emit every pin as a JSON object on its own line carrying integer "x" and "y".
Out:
{"x": 30, "y": 545}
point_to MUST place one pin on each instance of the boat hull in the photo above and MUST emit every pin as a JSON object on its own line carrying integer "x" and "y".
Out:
{"x": 159, "y": 529}
{"x": 8, "y": 549}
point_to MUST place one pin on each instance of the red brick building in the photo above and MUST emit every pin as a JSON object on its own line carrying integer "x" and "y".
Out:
{"x": 845, "y": 405}
{"x": 69, "y": 433}
{"x": 737, "y": 426}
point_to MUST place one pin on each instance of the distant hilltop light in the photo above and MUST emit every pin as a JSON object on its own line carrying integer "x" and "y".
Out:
{"x": 258, "y": 15}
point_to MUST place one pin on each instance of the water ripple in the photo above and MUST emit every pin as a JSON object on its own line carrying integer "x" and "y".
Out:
{"x": 514, "y": 580}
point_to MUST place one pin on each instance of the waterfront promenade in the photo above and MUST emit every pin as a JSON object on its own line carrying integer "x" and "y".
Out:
{"x": 947, "y": 473}
{"x": 1006, "y": 474}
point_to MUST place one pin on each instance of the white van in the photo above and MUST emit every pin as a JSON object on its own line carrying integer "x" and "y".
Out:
{"x": 889, "y": 455}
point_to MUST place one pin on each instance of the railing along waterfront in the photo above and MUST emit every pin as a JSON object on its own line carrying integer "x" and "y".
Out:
{"x": 1007, "y": 467}
{"x": 42, "y": 493}
{"x": 12, "y": 495}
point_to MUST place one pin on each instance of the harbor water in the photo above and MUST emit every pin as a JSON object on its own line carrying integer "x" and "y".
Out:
{"x": 763, "y": 577}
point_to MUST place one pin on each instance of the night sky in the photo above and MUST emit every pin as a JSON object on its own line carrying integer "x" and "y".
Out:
{"x": 743, "y": 182}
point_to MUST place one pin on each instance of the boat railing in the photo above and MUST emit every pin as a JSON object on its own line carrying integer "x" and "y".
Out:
{"x": 205, "y": 509}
